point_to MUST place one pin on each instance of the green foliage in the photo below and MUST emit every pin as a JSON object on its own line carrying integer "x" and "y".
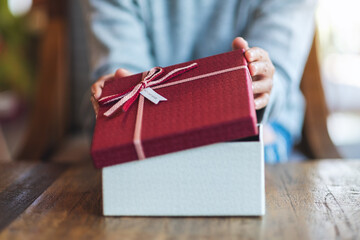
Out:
{"x": 15, "y": 65}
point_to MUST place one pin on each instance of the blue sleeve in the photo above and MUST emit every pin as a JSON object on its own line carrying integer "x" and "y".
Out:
{"x": 118, "y": 37}
{"x": 285, "y": 30}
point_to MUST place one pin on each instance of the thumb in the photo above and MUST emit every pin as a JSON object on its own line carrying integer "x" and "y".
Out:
{"x": 121, "y": 72}
{"x": 240, "y": 43}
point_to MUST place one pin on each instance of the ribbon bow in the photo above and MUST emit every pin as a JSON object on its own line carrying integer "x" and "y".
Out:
{"x": 150, "y": 78}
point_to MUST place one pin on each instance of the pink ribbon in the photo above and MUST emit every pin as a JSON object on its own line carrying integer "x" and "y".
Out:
{"x": 150, "y": 79}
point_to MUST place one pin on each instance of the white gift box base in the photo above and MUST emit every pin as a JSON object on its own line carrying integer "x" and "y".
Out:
{"x": 223, "y": 179}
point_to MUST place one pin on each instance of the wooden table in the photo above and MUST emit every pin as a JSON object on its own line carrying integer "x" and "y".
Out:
{"x": 313, "y": 200}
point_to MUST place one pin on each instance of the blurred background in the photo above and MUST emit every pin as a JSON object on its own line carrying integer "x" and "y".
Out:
{"x": 43, "y": 54}
{"x": 338, "y": 25}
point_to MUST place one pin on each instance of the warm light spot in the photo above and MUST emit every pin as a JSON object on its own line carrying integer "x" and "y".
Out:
{"x": 19, "y": 7}
{"x": 344, "y": 127}
{"x": 339, "y": 25}
{"x": 342, "y": 69}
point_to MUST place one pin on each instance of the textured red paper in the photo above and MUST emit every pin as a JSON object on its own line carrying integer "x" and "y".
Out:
{"x": 205, "y": 111}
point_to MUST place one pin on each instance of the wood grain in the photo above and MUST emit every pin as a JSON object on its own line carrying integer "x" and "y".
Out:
{"x": 27, "y": 187}
{"x": 314, "y": 200}
{"x": 11, "y": 171}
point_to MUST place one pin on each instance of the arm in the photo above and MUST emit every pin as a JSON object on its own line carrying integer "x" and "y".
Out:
{"x": 118, "y": 37}
{"x": 118, "y": 41}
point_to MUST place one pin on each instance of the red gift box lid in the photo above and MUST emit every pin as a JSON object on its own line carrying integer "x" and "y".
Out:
{"x": 218, "y": 106}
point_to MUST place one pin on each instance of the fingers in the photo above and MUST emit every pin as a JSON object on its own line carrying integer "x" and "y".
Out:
{"x": 96, "y": 88}
{"x": 121, "y": 72}
{"x": 256, "y": 54}
{"x": 261, "y": 100}
{"x": 264, "y": 68}
{"x": 95, "y": 105}
{"x": 240, "y": 43}
{"x": 262, "y": 71}
{"x": 263, "y": 86}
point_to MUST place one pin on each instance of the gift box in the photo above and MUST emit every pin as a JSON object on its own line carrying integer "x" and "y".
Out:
{"x": 209, "y": 101}
{"x": 221, "y": 179}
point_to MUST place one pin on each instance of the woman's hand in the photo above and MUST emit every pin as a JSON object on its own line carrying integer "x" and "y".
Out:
{"x": 261, "y": 69}
{"x": 96, "y": 88}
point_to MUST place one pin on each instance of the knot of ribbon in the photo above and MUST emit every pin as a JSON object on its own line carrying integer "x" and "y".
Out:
{"x": 151, "y": 78}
